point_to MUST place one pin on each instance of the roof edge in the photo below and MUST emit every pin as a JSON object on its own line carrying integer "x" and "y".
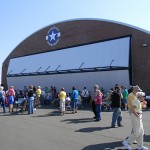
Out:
{"x": 79, "y": 19}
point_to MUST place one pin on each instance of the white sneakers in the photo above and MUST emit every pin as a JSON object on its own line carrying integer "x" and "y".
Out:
{"x": 142, "y": 148}
{"x": 126, "y": 144}
{"x": 135, "y": 142}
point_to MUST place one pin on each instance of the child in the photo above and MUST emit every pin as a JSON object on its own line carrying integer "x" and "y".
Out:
{"x": 11, "y": 102}
{"x": 98, "y": 103}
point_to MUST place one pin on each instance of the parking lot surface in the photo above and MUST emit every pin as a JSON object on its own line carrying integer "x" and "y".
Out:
{"x": 47, "y": 130}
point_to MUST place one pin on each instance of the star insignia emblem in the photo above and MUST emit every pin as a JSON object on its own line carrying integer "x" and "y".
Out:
{"x": 53, "y": 36}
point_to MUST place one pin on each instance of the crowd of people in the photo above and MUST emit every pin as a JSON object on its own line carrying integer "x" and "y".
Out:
{"x": 117, "y": 99}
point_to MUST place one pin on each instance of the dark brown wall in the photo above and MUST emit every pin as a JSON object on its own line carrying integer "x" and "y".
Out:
{"x": 79, "y": 32}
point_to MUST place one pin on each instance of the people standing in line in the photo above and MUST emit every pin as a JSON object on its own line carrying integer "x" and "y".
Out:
{"x": 2, "y": 98}
{"x": 94, "y": 93}
{"x": 62, "y": 97}
{"x": 38, "y": 95}
{"x": 136, "y": 119}
{"x": 85, "y": 96}
{"x": 116, "y": 105}
{"x": 74, "y": 99}
{"x": 11, "y": 96}
{"x": 30, "y": 100}
{"x": 98, "y": 104}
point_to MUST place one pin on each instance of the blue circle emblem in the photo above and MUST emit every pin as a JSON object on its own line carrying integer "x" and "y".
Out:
{"x": 53, "y": 36}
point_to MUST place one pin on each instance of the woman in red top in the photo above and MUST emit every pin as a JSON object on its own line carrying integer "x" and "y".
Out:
{"x": 98, "y": 103}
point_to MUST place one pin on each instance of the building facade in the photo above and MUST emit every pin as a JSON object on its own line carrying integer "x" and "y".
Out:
{"x": 81, "y": 53}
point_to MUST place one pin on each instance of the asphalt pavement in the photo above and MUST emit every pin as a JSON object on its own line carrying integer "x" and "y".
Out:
{"x": 47, "y": 130}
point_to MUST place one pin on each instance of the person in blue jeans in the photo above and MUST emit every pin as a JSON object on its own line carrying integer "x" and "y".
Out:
{"x": 98, "y": 103}
{"x": 30, "y": 100}
{"x": 116, "y": 105}
{"x": 2, "y": 98}
{"x": 74, "y": 99}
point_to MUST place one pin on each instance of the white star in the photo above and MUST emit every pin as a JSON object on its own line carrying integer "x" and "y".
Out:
{"x": 52, "y": 36}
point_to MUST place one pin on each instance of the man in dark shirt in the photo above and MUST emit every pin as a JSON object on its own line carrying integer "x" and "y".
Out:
{"x": 116, "y": 105}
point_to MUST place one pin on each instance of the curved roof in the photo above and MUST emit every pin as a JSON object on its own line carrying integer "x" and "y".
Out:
{"x": 90, "y": 19}
{"x": 78, "y": 32}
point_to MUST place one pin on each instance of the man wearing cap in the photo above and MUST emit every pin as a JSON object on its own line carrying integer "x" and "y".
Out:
{"x": 132, "y": 97}
{"x": 136, "y": 118}
{"x": 130, "y": 100}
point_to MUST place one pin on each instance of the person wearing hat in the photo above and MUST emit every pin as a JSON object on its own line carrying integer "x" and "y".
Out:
{"x": 136, "y": 118}
{"x": 132, "y": 97}
{"x": 130, "y": 100}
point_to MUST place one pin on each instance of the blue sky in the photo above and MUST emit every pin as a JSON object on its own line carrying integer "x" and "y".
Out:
{"x": 21, "y": 18}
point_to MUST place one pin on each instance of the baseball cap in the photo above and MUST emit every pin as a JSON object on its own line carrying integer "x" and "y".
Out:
{"x": 137, "y": 88}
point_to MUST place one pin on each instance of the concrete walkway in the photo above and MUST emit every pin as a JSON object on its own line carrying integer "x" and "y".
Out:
{"x": 47, "y": 130}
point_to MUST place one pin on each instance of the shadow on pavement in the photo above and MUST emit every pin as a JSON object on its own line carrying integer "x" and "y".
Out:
{"x": 74, "y": 121}
{"x": 53, "y": 113}
{"x": 92, "y": 129}
{"x": 14, "y": 114}
{"x": 104, "y": 146}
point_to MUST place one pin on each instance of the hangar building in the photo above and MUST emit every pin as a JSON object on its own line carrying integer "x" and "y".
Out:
{"x": 81, "y": 52}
